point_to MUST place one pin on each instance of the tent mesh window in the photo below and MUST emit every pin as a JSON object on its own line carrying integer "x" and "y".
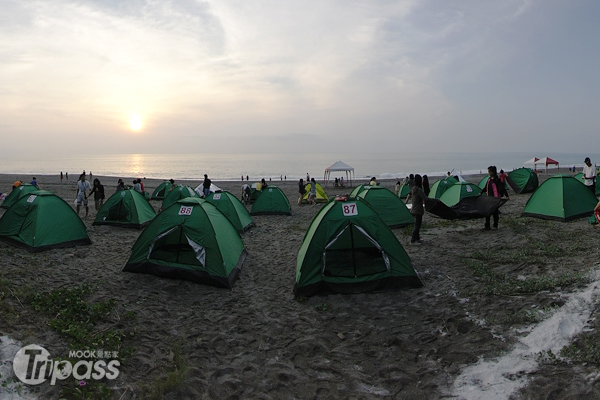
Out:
{"x": 353, "y": 253}
{"x": 176, "y": 247}
{"x": 118, "y": 212}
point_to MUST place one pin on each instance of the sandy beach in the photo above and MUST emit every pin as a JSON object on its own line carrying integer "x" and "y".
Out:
{"x": 470, "y": 332}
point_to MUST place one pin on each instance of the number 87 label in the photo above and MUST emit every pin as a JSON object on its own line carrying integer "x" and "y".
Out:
{"x": 349, "y": 209}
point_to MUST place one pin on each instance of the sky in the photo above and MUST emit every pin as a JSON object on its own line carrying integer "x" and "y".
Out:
{"x": 236, "y": 76}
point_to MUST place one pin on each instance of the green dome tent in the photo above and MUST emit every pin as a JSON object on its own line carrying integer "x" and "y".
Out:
{"x": 349, "y": 249}
{"x": 272, "y": 201}
{"x": 17, "y": 193}
{"x": 403, "y": 191}
{"x": 126, "y": 208}
{"x": 42, "y": 221}
{"x": 561, "y": 198}
{"x": 440, "y": 186}
{"x": 178, "y": 193}
{"x": 190, "y": 240}
{"x": 390, "y": 208}
{"x": 579, "y": 176}
{"x": 483, "y": 182}
{"x": 357, "y": 190}
{"x": 459, "y": 191}
{"x": 523, "y": 180}
{"x": 321, "y": 195}
{"x": 233, "y": 209}
{"x": 162, "y": 189}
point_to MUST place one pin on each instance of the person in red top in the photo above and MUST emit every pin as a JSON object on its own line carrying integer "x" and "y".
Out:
{"x": 496, "y": 188}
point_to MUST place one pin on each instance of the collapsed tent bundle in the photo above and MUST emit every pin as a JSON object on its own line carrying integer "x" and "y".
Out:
{"x": 349, "y": 249}
{"x": 190, "y": 240}
{"x": 42, "y": 221}
{"x": 467, "y": 208}
{"x": 126, "y": 208}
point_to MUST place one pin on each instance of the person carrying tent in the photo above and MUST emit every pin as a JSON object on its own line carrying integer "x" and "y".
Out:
{"x": 494, "y": 188}
{"x": 82, "y": 185}
{"x": 589, "y": 175}
{"x": 417, "y": 210}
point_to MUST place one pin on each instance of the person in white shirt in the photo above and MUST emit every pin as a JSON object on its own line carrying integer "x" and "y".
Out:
{"x": 82, "y": 185}
{"x": 589, "y": 175}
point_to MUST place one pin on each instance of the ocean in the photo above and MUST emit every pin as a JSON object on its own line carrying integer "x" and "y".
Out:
{"x": 291, "y": 166}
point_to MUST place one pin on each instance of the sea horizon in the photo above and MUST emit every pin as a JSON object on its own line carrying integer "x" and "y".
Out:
{"x": 231, "y": 167}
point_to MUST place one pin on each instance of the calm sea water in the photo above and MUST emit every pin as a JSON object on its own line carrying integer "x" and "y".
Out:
{"x": 292, "y": 166}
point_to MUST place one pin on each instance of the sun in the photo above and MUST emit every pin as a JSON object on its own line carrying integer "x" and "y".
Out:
{"x": 135, "y": 122}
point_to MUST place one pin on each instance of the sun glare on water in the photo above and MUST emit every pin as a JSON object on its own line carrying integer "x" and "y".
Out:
{"x": 135, "y": 122}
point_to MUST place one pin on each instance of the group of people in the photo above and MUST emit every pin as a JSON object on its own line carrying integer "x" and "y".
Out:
{"x": 82, "y": 197}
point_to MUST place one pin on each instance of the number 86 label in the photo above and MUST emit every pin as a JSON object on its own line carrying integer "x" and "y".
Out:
{"x": 349, "y": 209}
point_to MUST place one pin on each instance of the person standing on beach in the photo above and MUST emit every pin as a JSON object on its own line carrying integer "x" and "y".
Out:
{"x": 312, "y": 195}
{"x": 34, "y": 182}
{"x": 426, "y": 188}
{"x": 418, "y": 208}
{"x": 206, "y": 185}
{"x": 98, "y": 190}
{"x": 61, "y": 176}
{"x": 82, "y": 185}
{"x": 67, "y": 176}
{"x": 301, "y": 190}
{"x": 493, "y": 188}
{"x": 589, "y": 175}
{"x": 137, "y": 187}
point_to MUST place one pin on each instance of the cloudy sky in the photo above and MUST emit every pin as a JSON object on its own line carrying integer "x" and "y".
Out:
{"x": 155, "y": 76}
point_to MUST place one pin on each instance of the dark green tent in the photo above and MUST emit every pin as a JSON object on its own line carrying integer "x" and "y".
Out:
{"x": 440, "y": 186}
{"x": 126, "y": 208}
{"x": 404, "y": 190}
{"x": 42, "y": 221}
{"x": 579, "y": 176}
{"x": 357, "y": 190}
{"x": 272, "y": 201}
{"x": 561, "y": 198}
{"x": 233, "y": 209}
{"x": 190, "y": 240}
{"x": 459, "y": 191}
{"x": 390, "y": 208}
{"x": 523, "y": 180}
{"x": 18, "y": 193}
{"x": 162, "y": 189}
{"x": 178, "y": 193}
{"x": 349, "y": 249}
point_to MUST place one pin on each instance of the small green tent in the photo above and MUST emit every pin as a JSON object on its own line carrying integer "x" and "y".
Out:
{"x": 440, "y": 186}
{"x": 272, "y": 201}
{"x": 523, "y": 180}
{"x": 190, "y": 240}
{"x": 42, "y": 221}
{"x": 349, "y": 249}
{"x": 321, "y": 195}
{"x": 233, "y": 209}
{"x": 579, "y": 176}
{"x": 561, "y": 198}
{"x": 404, "y": 190}
{"x": 17, "y": 193}
{"x": 161, "y": 191}
{"x": 178, "y": 193}
{"x": 126, "y": 208}
{"x": 357, "y": 190}
{"x": 390, "y": 208}
{"x": 459, "y": 191}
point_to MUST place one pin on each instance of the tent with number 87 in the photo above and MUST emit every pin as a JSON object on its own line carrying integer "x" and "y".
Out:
{"x": 349, "y": 249}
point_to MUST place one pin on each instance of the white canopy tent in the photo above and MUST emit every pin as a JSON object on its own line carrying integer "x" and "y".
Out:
{"x": 545, "y": 161}
{"x": 531, "y": 162}
{"x": 339, "y": 166}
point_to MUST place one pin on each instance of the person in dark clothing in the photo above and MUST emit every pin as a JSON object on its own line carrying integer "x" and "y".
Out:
{"x": 301, "y": 190}
{"x": 494, "y": 187}
{"x": 206, "y": 185}
{"x": 120, "y": 185}
{"x": 98, "y": 191}
{"x": 418, "y": 208}
{"x": 426, "y": 189}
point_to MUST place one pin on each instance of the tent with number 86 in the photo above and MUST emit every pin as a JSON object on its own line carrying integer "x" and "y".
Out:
{"x": 349, "y": 249}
